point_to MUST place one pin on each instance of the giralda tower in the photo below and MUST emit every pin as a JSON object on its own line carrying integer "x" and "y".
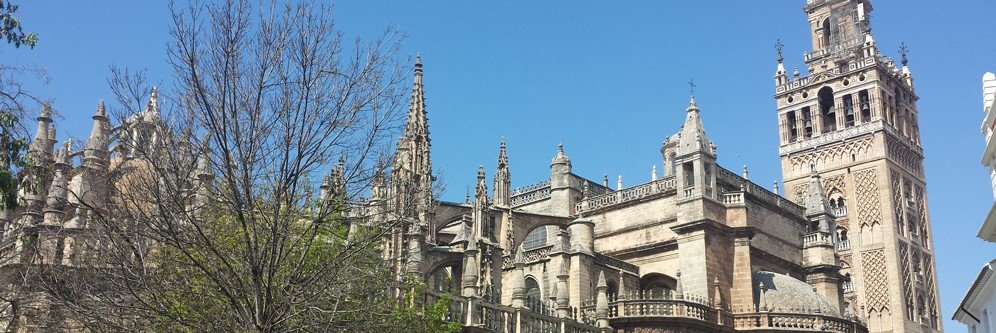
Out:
{"x": 854, "y": 120}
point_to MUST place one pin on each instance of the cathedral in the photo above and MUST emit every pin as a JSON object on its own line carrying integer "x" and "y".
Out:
{"x": 846, "y": 248}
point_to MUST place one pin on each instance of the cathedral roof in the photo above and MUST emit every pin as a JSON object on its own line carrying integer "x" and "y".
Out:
{"x": 783, "y": 293}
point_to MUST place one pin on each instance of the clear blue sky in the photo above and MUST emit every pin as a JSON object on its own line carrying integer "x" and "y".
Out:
{"x": 609, "y": 80}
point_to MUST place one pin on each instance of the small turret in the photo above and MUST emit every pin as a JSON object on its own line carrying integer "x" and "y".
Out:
{"x": 95, "y": 151}
{"x": 781, "y": 76}
{"x": 518, "y": 280}
{"x": 601, "y": 302}
{"x": 470, "y": 270}
{"x": 57, "y": 194}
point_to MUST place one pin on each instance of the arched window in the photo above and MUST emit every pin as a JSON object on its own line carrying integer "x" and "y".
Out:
{"x": 825, "y": 27}
{"x": 534, "y": 297}
{"x": 827, "y": 109}
{"x": 535, "y": 239}
{"x": 441, "y": 280}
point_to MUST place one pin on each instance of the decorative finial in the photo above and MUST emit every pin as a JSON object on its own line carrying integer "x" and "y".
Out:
{"x": 775, "y": 188}
{"x": 691, "y": 86}
{"x": 653, "y": 172}
{"x": 778, "y": 47}
{"x": 560, "y": 148}
{"x": 904, "y": 51}
{"x": 619, "y": 184}
{"x": 746, "y": 173}
{"x": 605, "y": 180}
{"x": 691, "y": 105}
{"x": 795, "y": 72}
{"x": 467, "y": 199}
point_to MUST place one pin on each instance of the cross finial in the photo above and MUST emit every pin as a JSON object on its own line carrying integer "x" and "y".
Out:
{"x": 904, "y": 51}
{"x": 778, "y": 47}
{"x": 691, "y": 85}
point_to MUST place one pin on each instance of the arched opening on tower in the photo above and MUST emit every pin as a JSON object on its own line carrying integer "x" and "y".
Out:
{"x": 657, "y": 286}
{"x": 827, "y": 109}
{"x": 825, "y": 29}
{"x": 864, "y": 103}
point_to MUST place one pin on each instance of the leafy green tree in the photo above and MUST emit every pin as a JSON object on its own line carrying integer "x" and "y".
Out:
{"x": 11, "y": 29}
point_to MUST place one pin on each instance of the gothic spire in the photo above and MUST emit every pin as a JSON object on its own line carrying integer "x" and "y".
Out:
{"x": 417, "y": 124}
{"x": 502, "y": 194}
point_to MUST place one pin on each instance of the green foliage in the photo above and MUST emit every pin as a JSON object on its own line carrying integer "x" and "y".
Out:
{"x": 10, "y": 27}
{"x": 413, "y": 316}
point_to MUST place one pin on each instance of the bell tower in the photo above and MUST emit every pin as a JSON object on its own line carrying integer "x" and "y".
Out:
{"x": 853, "y": 119}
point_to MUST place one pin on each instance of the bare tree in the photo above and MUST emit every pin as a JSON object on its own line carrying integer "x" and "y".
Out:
{"x": 213, "y": 219}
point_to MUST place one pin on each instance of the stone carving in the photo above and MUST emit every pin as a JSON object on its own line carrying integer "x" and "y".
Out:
{"x": 905, "y": 156}
{"x": 904, "y": 274}
{"x": 897, "y": 201}
{"x": 866, "y": 188}
{"x": 876, "y": 280}
{"x": 841, "y": 151}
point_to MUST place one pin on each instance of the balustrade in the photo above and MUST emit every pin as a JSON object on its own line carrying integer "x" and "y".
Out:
{"x": 796, "y": 322}
{"x": 844, "y": 245}
{"x": 817, "y": 238}
{"x": 626, "y": 195}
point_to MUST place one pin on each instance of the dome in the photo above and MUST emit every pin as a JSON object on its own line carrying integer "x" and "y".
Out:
{"x": 783, "y": 293}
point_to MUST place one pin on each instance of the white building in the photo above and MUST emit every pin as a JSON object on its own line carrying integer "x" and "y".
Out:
{"x": 977, "y": 308}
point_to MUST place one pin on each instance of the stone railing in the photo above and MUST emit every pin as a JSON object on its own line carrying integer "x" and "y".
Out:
{"x": 758, "y": 192}
{"x": 799, "y": 82}
{"x": 615, "y": 263}
{"x": 626, "y": 195}
{"x": 675, "y": 308}
{"x": 530, "y": 197}
{"x": 532, "y": 255}
{"x": 768, "y": 321}
{"x": 529, "y": 188}
{"x": 488, "y": 317}
{"x": 844, "y": 245}
{"x": 731, "y": 199}
{"x": 839, "y": 211}
{"x": 816, "y": 239}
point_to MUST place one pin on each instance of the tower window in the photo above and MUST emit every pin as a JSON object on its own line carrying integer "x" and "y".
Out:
{"x": 848, "y": 111}
{"x": 807, "y": 122}
{"x": 689, "y": 172}
{"x": 864, "y": 103}
{"x": 793, "y": 131}
{"x": 825, "y": 29}
{"x": 827, "y": 110}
